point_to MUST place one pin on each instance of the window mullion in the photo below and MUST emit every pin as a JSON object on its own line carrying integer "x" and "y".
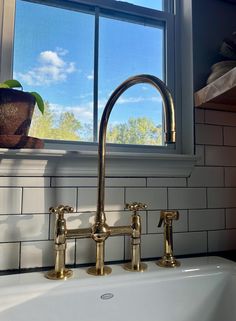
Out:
{"x": 7, "y": 16}
{"x": 95, "y": 84}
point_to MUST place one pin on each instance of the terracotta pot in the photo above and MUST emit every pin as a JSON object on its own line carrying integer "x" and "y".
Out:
{"x": 16, "y": 111}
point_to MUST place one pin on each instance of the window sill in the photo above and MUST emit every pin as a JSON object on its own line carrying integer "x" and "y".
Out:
{"x": 47, "y": 162}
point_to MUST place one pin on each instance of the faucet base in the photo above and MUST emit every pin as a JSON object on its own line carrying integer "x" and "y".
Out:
{"x": 135, "y": 268}
{"x": 99, "y": 272}
{"x": 59, "y": 275}
{"x": 168, "y": 262}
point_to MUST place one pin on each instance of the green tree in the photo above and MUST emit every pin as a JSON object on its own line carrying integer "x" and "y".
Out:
{"x": 141, "y": 131}
{"x": 42, "y": 125}
{"x": 68, "y": 127}
{"x": 46, "y": 126}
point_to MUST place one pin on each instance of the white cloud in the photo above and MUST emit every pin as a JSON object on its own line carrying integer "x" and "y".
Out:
{"x": 61, "y": 51}
{"x": 83, "y": 112}
{"x": 52, "y": 69}
{"x": 135, "y": 100}
{"x": 91, "y": 76}
{"x": 130, "y": 100}
{"x": 51, "y": 58}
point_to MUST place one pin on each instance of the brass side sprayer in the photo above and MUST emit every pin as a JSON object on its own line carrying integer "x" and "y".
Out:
{"x": 166, "y": 218}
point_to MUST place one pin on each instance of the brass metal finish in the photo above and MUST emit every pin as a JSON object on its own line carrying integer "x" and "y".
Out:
{"x": 169, "y": 126}
{"x": 60, "y": 275}
{"x": 60, "y": 272}
{"x": 135, "y": 268}
{"x": 93, "y": 270}
{"x": 100, "y": 231}
{"x": 168, "y": 261}
{"x": 135, "y": 265}
{"x": 166, "y": 218}
{"x": 100, "y": 268}
{"x": 134, "y": 207}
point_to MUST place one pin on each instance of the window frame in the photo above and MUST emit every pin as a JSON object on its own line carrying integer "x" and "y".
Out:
{"x": 179, "y": 73}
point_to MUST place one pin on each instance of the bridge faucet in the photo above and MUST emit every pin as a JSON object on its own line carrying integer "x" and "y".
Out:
{"x": 100, "y": 230}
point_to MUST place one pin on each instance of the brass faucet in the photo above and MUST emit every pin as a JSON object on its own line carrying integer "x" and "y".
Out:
{"x": 100, "y": 230}
{"x": 166, "y": 218}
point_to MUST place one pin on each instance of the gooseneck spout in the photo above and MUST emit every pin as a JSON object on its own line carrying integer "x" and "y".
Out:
{"x": 169, "y": 129}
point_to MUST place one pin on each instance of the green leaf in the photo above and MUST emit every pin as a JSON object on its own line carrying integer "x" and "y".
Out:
{"x": 2, "y": 85}
{"x": 12, "y": 83}
{"x": 39, "y": 101}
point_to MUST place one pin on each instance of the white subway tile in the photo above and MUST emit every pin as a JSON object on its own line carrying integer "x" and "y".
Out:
{"x": 199, "y": 115}
{"x": 166, "y": 182}
{"x": 200, "y": 153}
{"x": 93, "y": 181}
{"x": 208, "y": 134}
{"x": 190, "y": 243}
{"x": 220, "y": 118}
{"x": 124, "y": 219}
{"x": 37, "y": 254}
{"x": 114, "y": 250}
{"x": 38, "y": 200}
{"x": 9, "y": 258}
{"x": 154, "y": 198}
{"x": 125, "y": 181}
{"x": 206, "y": 176}
{"x": 229, "y": 136}
{"x": 221, "y": 197}
{"x": 86, "y": 250}
{"x": 151, "y": 246}
{"x": 181, "y": 225}
{"x": 231, "y": 218}
{"x": 74, "y": 181}
{"x": 87, "y": 199}
{"x": 23, "y": 227}
{"x": 224, "y": 240}
{"x": 220, "y": 156}
{"x": 42, "y": 254}
{"x": 186, "y": 198}
{"x": 10, "y": 200}
{"x": 207, "y": 219}
{"x": 230, "y": 176}
{"x": 24, "y": 181}
{"x": 114, "y": 199}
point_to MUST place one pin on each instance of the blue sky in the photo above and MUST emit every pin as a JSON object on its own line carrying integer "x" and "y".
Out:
{"x": 53, "y": 55}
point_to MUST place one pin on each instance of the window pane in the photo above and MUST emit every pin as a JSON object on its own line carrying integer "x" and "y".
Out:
{"x": 128, "y": 49}
{"x": 53, "y": 55}
{"x": 153, "y": 4}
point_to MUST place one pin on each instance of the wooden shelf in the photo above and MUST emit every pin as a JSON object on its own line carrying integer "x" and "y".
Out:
{"x": 220, "y": 94}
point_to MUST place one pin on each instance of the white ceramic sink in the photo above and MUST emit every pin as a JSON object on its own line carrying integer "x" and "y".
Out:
{"x": 201, "y": 289}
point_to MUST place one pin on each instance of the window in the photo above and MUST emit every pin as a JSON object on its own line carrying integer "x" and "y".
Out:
{"x": 85, "y": 72}
{"x": 76, "y": 55}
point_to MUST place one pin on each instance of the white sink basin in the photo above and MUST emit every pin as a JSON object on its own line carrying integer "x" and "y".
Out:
{"x": 202, "y": 289}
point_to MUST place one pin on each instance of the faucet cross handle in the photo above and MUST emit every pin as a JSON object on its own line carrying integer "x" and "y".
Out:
{"x": 135, "y": 207}
{"x": 61, "y": 210}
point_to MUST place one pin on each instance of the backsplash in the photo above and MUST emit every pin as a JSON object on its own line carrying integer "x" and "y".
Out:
{"x": 206, "y": 202}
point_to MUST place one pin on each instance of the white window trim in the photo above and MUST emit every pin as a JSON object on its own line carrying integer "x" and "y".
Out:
{"x": 84, "y": 162}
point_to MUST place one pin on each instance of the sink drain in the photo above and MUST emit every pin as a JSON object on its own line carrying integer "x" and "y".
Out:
{"x": 107, "y": 296}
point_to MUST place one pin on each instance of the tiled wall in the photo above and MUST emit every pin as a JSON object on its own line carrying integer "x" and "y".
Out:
{"x": 206, "y": 202}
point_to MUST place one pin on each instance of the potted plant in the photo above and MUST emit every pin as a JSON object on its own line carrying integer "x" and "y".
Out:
{"x": 16, "y": 111}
